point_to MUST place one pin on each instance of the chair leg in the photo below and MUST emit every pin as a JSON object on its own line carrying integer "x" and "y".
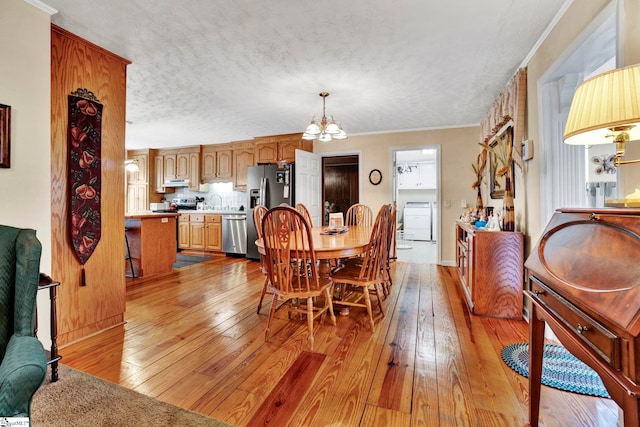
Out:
{"x": 264, "y": 291}
{"x": 329, "y": 302}
{"x": 377, "y": 286}
{"x": 367, "y": 301}
{"x": 272, "y": 312}
{"x": 310, "y": 321}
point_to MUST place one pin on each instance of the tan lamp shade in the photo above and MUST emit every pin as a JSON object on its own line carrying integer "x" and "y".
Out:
{"x": 604, "y": 102}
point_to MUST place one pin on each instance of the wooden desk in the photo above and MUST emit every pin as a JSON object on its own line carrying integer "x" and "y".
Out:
{"x": 329, "y": 247}
{"x": 585, "y": 284}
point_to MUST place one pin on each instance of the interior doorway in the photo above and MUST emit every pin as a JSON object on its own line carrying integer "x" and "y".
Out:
{"x": 340, "y": 184}
{"x": 416, "y": 192}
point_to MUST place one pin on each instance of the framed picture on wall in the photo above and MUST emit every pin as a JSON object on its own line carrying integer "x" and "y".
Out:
{"x": 497, "y": 183}
{"x": 5, "y": 136}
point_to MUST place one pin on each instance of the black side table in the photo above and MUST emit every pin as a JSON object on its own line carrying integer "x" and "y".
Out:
{"x": 47, "y": 283}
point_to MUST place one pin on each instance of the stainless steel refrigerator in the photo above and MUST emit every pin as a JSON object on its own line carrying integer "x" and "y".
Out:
{"x": 269, "y": 185}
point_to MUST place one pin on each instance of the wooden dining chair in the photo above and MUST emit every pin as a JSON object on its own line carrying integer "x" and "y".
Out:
{"x": 291, "y": 265}
{"x": 305, "y": 213}
{"x": 358, "y": 214}
{"x": 360, "y": 278}
{"x": 258, "y": 214}
{"x": 391, "y": 250}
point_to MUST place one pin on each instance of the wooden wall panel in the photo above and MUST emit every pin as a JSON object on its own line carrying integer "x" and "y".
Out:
{"x": 83, "y": 311}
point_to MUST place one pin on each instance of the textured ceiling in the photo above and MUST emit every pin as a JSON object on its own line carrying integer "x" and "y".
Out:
{"x": 213, "y": 71}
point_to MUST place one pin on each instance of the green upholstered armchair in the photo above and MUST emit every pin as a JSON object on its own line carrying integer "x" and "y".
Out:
{"x": 23, "y": 364}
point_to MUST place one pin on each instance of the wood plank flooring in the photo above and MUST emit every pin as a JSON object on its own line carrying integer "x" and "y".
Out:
{"x": 193, "y": 338}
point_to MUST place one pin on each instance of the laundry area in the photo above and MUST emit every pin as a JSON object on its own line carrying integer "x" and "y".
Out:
{"x": 417, "y": 208}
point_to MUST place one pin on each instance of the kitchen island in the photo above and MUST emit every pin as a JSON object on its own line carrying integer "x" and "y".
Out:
{"x": 152, "y": 242}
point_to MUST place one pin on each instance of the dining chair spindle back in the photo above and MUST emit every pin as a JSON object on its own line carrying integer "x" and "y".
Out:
{"x": 359, "y": 214}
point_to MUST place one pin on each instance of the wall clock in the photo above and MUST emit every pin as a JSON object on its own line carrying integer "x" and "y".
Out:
{"x": 375, "y": 176}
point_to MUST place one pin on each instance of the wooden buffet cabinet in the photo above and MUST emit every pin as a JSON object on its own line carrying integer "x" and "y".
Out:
{"x": 584, "y": 282}
{"x": 490, "y": 270}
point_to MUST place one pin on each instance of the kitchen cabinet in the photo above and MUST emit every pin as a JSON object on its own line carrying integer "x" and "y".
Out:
{"x": 184, "y": 236}
{"x": 200, "y": 232}
{"x": 170, "y": 166}
{"x": 417, "y": 176}
{"x": 243, "y": 157}
{"x": 490, "y": 270}
{"x": 280, "y": 148}
{"x": 141, "y": 158}
{"x": 196, "y": 231}
{"x": 180, "y": 163}
{"x": 217, "y": 163}
{"x": 213, "y": 232}
{"x": 139, "y": 191}
{"x": 159, "y": 174}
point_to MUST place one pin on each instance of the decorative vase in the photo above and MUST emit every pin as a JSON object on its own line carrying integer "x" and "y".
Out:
{"x": 508, "y": 211}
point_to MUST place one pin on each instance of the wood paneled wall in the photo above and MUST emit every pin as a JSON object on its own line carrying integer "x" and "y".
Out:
{"x": 82, "y": 311}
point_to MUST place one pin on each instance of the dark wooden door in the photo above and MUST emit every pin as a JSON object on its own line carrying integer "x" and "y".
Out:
{"x": 340, "y": 184}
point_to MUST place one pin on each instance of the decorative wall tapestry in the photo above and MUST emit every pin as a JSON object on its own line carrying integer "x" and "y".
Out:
{"x": 85, "y": 120}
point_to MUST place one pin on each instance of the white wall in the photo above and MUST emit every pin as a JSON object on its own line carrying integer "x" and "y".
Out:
{"x": 25, "y": 85}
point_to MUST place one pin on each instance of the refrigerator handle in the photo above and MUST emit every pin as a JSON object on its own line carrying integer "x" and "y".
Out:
{"x": 263, "y": 191}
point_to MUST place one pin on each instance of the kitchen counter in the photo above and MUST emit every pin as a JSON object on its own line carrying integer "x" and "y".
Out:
{"x": 150, "y": 214}
{"x": 213, "y": 212}
{"x": 152, "y": 241}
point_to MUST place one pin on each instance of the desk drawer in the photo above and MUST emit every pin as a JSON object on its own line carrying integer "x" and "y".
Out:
{"x": 599, "y": 338}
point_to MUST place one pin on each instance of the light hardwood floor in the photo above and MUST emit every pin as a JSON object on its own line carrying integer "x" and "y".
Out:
{"x": 193, "y": 338}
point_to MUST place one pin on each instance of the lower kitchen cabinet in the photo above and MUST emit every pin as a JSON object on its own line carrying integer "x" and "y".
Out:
{"x": 196, "y": 231}
{"x": 184, "y": 238}
{"x": 201, "y": 232}
{"x": 213, "y": 232}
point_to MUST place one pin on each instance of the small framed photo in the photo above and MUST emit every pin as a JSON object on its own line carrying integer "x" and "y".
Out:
{"x": 5, "y": 136}
{"x": 280, "y": 177}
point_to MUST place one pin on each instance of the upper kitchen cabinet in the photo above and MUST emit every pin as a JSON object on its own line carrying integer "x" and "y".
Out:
{"x": 417, "y": 176}
{"x": 217, "y": 162}
{"x": 141, "y": 159}
{"x": 140, "y": 191}
{"x": 178, "y": 163}
{"x": 243, "y": 157}
{"x": 280, "y": 148}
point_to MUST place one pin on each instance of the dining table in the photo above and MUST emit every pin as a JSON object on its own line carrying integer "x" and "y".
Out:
{"x": 331, "y": 244}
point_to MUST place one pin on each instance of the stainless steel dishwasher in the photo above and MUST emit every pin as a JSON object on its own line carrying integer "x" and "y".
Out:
{"x": 234, "y": 234}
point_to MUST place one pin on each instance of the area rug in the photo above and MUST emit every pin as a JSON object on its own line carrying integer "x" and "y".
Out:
{"x": 560, "y": 369}
{"x": 80, "y": 399}
{"x": 187, "y": 260}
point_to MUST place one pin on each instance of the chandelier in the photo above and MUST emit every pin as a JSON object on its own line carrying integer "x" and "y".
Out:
{"x": 326, "y": 130}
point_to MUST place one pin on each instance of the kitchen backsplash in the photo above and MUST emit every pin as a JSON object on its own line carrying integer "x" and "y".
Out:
{"x": 220, "y": 195}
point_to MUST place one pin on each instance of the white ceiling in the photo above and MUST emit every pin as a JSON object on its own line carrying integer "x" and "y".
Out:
{"x": 214, "y": 71}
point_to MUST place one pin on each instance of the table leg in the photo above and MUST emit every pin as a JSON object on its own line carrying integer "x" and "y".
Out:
{"x": 536, "y": 349}
{"x": 54, "y": 335}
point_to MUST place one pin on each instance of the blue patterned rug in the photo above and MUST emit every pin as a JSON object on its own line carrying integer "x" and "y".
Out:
{"x": 560, "y": 369}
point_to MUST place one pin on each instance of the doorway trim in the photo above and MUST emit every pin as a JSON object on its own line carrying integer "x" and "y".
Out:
{"x": 394, "y": 188}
